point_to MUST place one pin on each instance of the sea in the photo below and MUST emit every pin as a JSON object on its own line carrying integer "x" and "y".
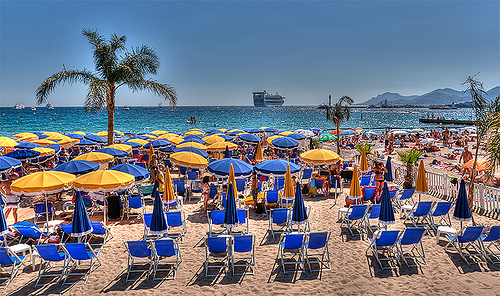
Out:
{"x": 143, "y": 119}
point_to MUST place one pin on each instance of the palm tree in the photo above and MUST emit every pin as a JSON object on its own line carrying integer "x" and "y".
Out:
{"x": 111, "y": 72}
{"x": 409, "y": 158}
{"x": 338, "y": 113}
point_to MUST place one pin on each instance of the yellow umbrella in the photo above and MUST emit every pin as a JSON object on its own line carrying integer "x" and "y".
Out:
{"x": 357, "y": 129}
{"x": 57, "y": 137}
{"x": 43, "y": 142}
{"x": 7, "y": 142}
{"x": 172, "y": 138}
{"x": 264, "y": 140}
{"x": 25, "y": 136}
{"x": 168, "y": 189}
{"x": 95, "y": 157}
{"x": 188, "y": 159}
{"x": 69, "y": 142}
{"x": 288, "y": 190}
{"x": 151, "y": 151}
{"x": 104, "y": 180}
{"x": 44, "y": 151}
{"x": 44, "y": 182}
{"x": 104, "y": 134}
{"x": 195, "y": 129}
{"x": 234, "y": 130}
{"x": 195, "y": 133}
{"x": 213, "y": 139}
{"x": 320, "y": 156}
{"x": 285, "y": 133}
{"x": 232, "y": 179}
{"x": 221, "y": 146}
{"x": 364, "y": 164}
{"x": 258, "y": 153}
{"x": 355, "y": 190}
{"x": 122, "y": 147}
{"x": 263, "y": 127}
{"x": 223, "y": 130}
{"x": 192, "y": 144}
{"x": 139, "y": 141}
{"x": 271, "y": 138}
{"x": 50, "y": 134}
{"x": 80, "y": 133}
{"x": 159, "y": 133}
{"x": 421, "y": 180}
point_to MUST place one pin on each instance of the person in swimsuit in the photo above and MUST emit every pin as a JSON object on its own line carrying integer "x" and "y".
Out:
{"x": 379, "y": 170}
{"x": 205, "y": 189}
{"x": 11, "y": 200}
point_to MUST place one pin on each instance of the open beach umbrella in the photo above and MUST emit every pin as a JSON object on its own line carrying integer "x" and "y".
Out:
{"x": 25, "y": 136}
{"x": 364, "y": 163}
{"x": 95, "y": 138}
{"x": 386, "y": 210}
{"x": 138, "y": 137}
{"x": 253, "y": 130}
{"x": 327, "y": 137}
{"x": 171, "y": 149}
{"x": 296, "y": 136}
{"x": 55, "y": 147}
{"x": 174, "y": 139}
{"x": 225, "y": 137}
{"x": 41, "y": 135}
{"x": 249, "y": 138}
{"x": 98, "y": 157}
{"x": 76, "y": 136}
{"x": 80, "y": 133}
{"x": 194, "y": 140}
{"x": 481, "y": 165}
{"x": 299, "y": 212}
{"x": 58, "y": 137}
{"x": 148, "y": 135}
{"x": 8, "y": 163}
{"x": 193, "y": 144}
{"x": 139, "y": 141}
{"x": 68, "y": 142}
{"x": 348, "y": 133}
{"x": 462, "y": 210}
{"x": 44, "y": 151}
{"x": 304, "y": 132}
{"x": 222, "y": 167}
{"x": 212, "y": 139}
{"x": 221, "y": 146}
{"x": 355, "y": 190}
{"x": 320, "y": 156}
{"x": 27, "y": 145}
{"x": 157, "y": 143}
{"x": 288, "y": 190}
{"x": 122, "y": 147}
{"x": 77, "y": 167}
{"x": 334, "y": 132}
{"x": 285, "y": 133}
{"x": 231, "y": 216}
{"x": 23, "y": 154}
{"x": 388, "y": 165}
{"x": 199, "y": 133}
{"x": 138, "y": 172}
{"x": 421, "y": 186}
{"x": 191, "y": 149}
{"x": 159, "y": 133}
{"x": 158, "y": 219}
{"x": 8, "y": 142}
{"x": 113, "y": 152}
{"x": 44, "y": 142}
{"x": 259, "y": 156}
{"x": 276, "y": 167}
{"x": 85, "y": 142}
{"x": 270, "y": 139}
{"x": 188, "y": 159}
{"x": 267, "y": 129}
{"x": 131, "y": 144}
{"x": 285, "y": 143}
{"x": 81, "y": 225}
{"x": 193, "y": 137}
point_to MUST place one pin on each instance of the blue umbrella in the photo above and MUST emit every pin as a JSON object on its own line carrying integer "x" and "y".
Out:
{"x": 221, "y": 167}
{"x": 171, "y": 148}
{"x": 269, "y": 130}
{"x": 296, "y": 136}
{"x": 347, "y": 133}
{"x": 462, "y": 211}
{"x": 81, "y": 225}
{"x": 140, "y": 134}
{"x": 194, "y": 140}
{"x": 316, "y": 130}
{"x": 388, "y": 166}
{"x": 133, "y": 144}
{"x": 3, "y": 224}
{"x": 95, "y": 138}
{"x": 75, "y": 136}
{"x": 23, "y": 154}
{"x": 285, "y": 142}
{"x": 85, "y": 142}
{"x": 113, "y": 151}
{"x": 225, "y": 137}
{"x": 157, "y": 143}
{"x": 250, "y": 138}
{"x": 77, "y": 167}
{"x": 137, "y": 171}
{"x": 139, "y": 137}
{"x": 386, "y": 210}
{"x": 234, "y": 133}
{"x": 41, "y": 135}
{"x": 192, "y": 149}
{"x": 158, "y": 220}
{"x": 253, "y": 130}
{"x": 189, "y": 138}
{"x": 231, "y": 216}
{"x": 56, "y": 147}
{"x": 227, "y": 153}
{"x": 27, "y": 145}
{"x": 7, "y": 163}
{"x": 276, "y": 167}
{"x": 299, "y": 212}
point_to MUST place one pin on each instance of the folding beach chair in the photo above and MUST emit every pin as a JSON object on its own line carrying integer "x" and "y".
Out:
{"x": 291, "y": 250}
{"x": 195, "y": 187}
{"x": 217, "y": 253}
{"x": 384, "y": 247}
{"x": 242, "y": 253}
{"x": 421, "y": 215}
{"x": 410, "y": 246}
{"x": 243, "y": 222}
{"x": 354, "y": 219}
{"x": 365, "y": 180}
{"x": 469, "y": 239}
{"x": 176, "y": 225}
{"x": 279, "y": 221}
{"x": 279, "y": 183}
{"x": 489, "y": 242}
{"x": 166, "y": 251}
{"x": 374, "y": 215}
{"x": 241, "y": 185}
{"x": 306, "y": 175}
{"x": 32, "y": 233}
{"x": 102, "y": 232}
{"x": 369, "y": 193}
{"x": 9, "y": 259}
{"x": 179, "y": 187}
{"x": 442, "y": 214}
{"x": 147, "y": 224}
{"x": 272, "y": 198}
{"x": 41, "y": 211}
{"x": 78, "y": 252}
{"x": 133, "y": 203}
{"x": 138, "y": 250}
{"x": 317, "y": 247}
{"x": 50, "y": 255}
{"x": 405, "y": 198}
{"x": 216, "y": 218}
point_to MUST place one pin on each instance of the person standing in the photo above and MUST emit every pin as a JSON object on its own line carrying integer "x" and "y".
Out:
{"x": 379, "y": 170}
{"x": 254, "y": 188}
{"x": 11, "y": 200}
{"x": 205, "y": 189}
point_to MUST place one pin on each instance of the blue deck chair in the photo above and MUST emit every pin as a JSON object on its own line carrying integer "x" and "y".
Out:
{"x": 241, "y": 185}
{"x": 243, "y": 254}
{"x": 354, "y": 219}
{"x": 405, "y": 197}
{"x": 192, "y": 175}
{"x": 196, "y": 187}
{"x": 102, "y": 232}
{"x": 365, "y": 180}
{"x": 50, "y": 255}
{"x": 410, "y": 246}
{"x": 335, "y": 182}
{"x": 166, "y": 251}
{"x": 179, "y": 187}
{"x": 442, "y": 214}
{"x": 279, "y": 183}
{"x": 134, "y": 203}
{"x": 138, "y": 250}
{"x": 41, "y": 211}
{"x": 9, "y": 259}
{"x": 489, "y": 242}
{"x": 392, "y": 193}
{"x": 374, "y": 215}
{"x": 317, "y": 247}
{"x": 217, "y": 253}
{"x": 368, "y": 193}
{"x": 78, "y": 252}
{"x": 32, "y": 233}
{"x": 421, "y": 215}
{"x": 291, "y": 251}
{"x": 469, "y": 239}
{"x": 147, "y": 223}
{"x": 306, "y": 174}
{"x": 182, "y": 170}
{"x": 384, "y": 248}
{"x": 279, "y": 221}
{"x": 216, "y": 218}
{"x": 176, "y": 225}
{"x": 272, "y": 198}
{"x": 243, "y": 222}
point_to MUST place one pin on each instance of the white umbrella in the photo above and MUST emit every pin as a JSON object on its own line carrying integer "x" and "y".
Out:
{"x": 427, "y": 141}
{"x": 399, "y": 132}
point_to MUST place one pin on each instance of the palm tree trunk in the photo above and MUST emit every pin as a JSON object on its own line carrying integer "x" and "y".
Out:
{"x": 110, "y": 98}
{"x": 470, "y": 197}
{"x": 338, "y": 138}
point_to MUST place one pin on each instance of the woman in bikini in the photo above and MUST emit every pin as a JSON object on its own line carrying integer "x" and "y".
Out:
{"x": 379, "y": 170}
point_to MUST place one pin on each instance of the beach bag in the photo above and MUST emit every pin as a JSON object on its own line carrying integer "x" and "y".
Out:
{"x": 259, "y": 208}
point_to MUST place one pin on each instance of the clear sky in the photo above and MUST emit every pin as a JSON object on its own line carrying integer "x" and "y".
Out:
{"x": 217, "y": 53}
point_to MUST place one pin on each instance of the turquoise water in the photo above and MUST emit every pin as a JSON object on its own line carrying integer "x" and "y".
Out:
{"x": 139, "y": 119}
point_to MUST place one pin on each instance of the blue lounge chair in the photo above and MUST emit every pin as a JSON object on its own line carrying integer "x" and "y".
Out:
{"x": 489, "y": 242}
{"x": 354, "y": 219}
{"x": 279, "y": 221}
{"x": 78, "y": 252}
{"x": 176, "y": 225}
{"x": 102, "y": 232}
{"x": 442, "y": 214}
{"x": 405, "y": 197}
{"x": 291, "y": 250}
{"x": 138, "y": 250}
{"x": 179, "y": 187}
{"x": 166, "y": 251}
{"x": 410, "y": 246}
{"x": 374, "y": 215}
{"x": 272, "y": 198}
{"x": 421, "y": 215}
{"x": 306, "y": 174}
{"x": 365, "y": 180}
{"x": 133, "y": 203}
{"x": 32, "y": 233}
{"x": 41, "y": 211}
{"x": 217, "y": 253}
{"x": 384, "y": 247}
{"x": 243, "y": 254}
{"x": 50, "y": 255}
{"x": 317, "y": 247}
{"x": 147, "y": 223}
{"x": 241, "y": 185}
{"x": 243, "y": 222}
{"x": 471, "y": 238}
{"x": 368, "y": 193}
{"x": 216, "y": 218}
{"x": 9, "y": 259}
{"x": 279, "y": 183}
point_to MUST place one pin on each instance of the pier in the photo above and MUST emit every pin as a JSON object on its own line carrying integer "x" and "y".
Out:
{"x": 446, "y": 121}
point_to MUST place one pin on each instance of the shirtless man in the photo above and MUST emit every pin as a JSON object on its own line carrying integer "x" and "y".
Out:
{"x": 466, "y": 155}
{"x": 11, "y": 200}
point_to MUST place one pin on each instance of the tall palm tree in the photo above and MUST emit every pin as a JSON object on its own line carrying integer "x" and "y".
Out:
{"x": 338, "y": 113}
{"x": 111, "y": 72}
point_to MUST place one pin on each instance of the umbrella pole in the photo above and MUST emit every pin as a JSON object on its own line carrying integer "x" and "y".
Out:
{"x": 47, "y": 211}
{"x": 105, "y": 208}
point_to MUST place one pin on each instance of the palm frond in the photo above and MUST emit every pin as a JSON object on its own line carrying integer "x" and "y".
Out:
{"x": 117, "y": 43}
{"x": 93, "y": 37}
{"x": 167, "y": 92}
{"x": 95, "y": 99}
{"x": 48, "y": 85}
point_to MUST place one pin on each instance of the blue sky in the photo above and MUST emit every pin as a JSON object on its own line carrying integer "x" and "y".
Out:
{"x": 217, "y": 53}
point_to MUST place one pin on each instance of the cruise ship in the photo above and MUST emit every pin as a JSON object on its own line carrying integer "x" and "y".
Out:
{"x": 265, "y": 99}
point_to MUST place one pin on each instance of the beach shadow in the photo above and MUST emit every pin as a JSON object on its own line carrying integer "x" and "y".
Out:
{"x": 268, "y": 239}
{"x": 51, "y": 287}
{"x": 197, "y": 216}
{"x": 376, "y": 271}
{"x": 462, "y": 266}
{"x": 344, "y": 232}
{"x": 120, "y": 284}
{"x": 280, "y": 276}
{"x": 200, "y": 279}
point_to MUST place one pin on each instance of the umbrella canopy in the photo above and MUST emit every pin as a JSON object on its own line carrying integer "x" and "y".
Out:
{"x": 27, "y": 145}
{"x": 364, "y": 163}
{"x": 259, "y": 156}
{"x": 253, "y": 130}
{"x": 81, "y": 225}
{"x": 231, "y": 216}
{"x": 7, "y": 163}
{"x": 267, "y": 129}
{"x": 98, "y": 157}
{"x": 355, "y": 190}
{"x": 95, "y": 138}
{"x": 138, "y": 137}
{"x": 25, "y": 136}
{"x": 105, "y": 134}
{"x": 44, "y": 182}
{"x": 171, "y": 149}
{"x": 270, "y": 139}
{"x": 348, "y": 133}
{"x": 3, "y": 223}
{"x": 212, "y": 139}
{"x": 296, "y": 136}
{"x": 285, "y": 143}
{"x": 481, "y": 165}
{"x": 85, "y": 142}
{"x": 157, "y": 143}
{"x": 320, "y": 156}
{"x": 193, "y": 144}
{"x": 80, "y": 133}
{"x": 76, "y": 136}
{"x": 288, "y": 190}
{"x": 44, "y": 142}
{"x": 388, "y": 165}
{"x": 131, "y": 144}
{"x": 462, "y": 210}
{"x": 122, "y": 147}
{"x": 249, "y": 138}
{"x": 196, "y": 132}
{"x": 139, "y": 141}
{"x": 192, "y": 149}
{"x": 77, "y": 167}
{"x": 334, "y": 132}
{"x": 23, "y": 154}
{"x": 188, "y": 159}
{"x": 68, "y": 142}
{"x": 199, "y": 141}
{"x": 386, "y": 210}
{"x": 304, "y": 132}
{"x": 159, "y": 133}
{"x": 421, "y": 180}
{"x": 299, "y": 212}
{"x": 55, "y": 147}
{"x": 59, "y": 137}
{"x": 174, "y": 139}
{"x": 327, "y": 137}
{"x": 276, "y": 167}
{"x": 107, "y": 180}
{"x": 158, "y": 220}
{"x": 168, "y": 189}
{"x": 222, "y": 167}
{"x": 138, "y": 172}
{"x": 285, "y": 133}
{"x": 148, "y": 135}
{"x": 221, "y": 146}
{"x": 112, "y": 151}
{"x": 8, "y": 142}
{"x": 44, "y": 151}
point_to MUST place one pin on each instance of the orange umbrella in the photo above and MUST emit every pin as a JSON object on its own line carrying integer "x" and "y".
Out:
{"x": 334, "y": 132}
{"x": 168, "y": 189}
{"x": 288, "y": 190}
{"x": 481, "y": 165}
{"x": 355, "y": 190}
{"x": 364, "y": 164}
{"x": 258, "y": 153}
{"x": 232, "y": 179}
{"x": 421, "y": 180}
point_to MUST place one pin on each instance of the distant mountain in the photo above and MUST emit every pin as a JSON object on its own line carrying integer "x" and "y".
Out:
{"x": 442, "y": 96}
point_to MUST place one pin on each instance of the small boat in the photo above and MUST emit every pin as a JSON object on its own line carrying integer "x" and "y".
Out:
{"x": 19, "y": 106}
{"x": 126, "y": 108}
{"x": 160, "y": 105}
{"x": 33, "y": 108}
{"x": 49, "y": 106}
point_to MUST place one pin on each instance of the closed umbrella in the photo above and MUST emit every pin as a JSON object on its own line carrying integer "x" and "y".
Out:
{"x": 299, "y": 212}
{"x": 386, "y": 210}
{"x": 355, "y": 190}
{"x": 3, "y": 225}
{"x": 364, "y": 163}
{"x": 227, "y": 153}
{"x": 231, "y": 216}
{"x": 158, "y": 220}
{"x": 81, "y": 225}
{"x": 462, "y": 210}
{"x": 421, "y": 187}
{"x": 8, "y": 163}
{"x": 259, "y": 156}
{"x": 231, "y": 179}
{"x": 168, "y": 189}
{"x": 388, "y": 165}
{"x": 77, "y": 167}
{"x": 288, "y": 190}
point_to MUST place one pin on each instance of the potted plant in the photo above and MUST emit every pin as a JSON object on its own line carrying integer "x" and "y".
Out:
{"x": 409, "y": 158}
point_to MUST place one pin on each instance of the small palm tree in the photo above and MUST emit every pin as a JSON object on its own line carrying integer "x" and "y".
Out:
{"x": 366, "y": 147}
{"x": 338, "y": 113}
{"x": 409, "y": 158}
{"x": 111, "y": 73}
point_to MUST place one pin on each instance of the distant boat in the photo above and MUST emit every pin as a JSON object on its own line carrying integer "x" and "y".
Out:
{"x": 126, "y": 108}
{"x": 160, "y": 105}
{"x": 265, "y": 99}
{"x": 33, "y": 108}
{"x": 19, "y": 106}
{"x": 49, "y": 106}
